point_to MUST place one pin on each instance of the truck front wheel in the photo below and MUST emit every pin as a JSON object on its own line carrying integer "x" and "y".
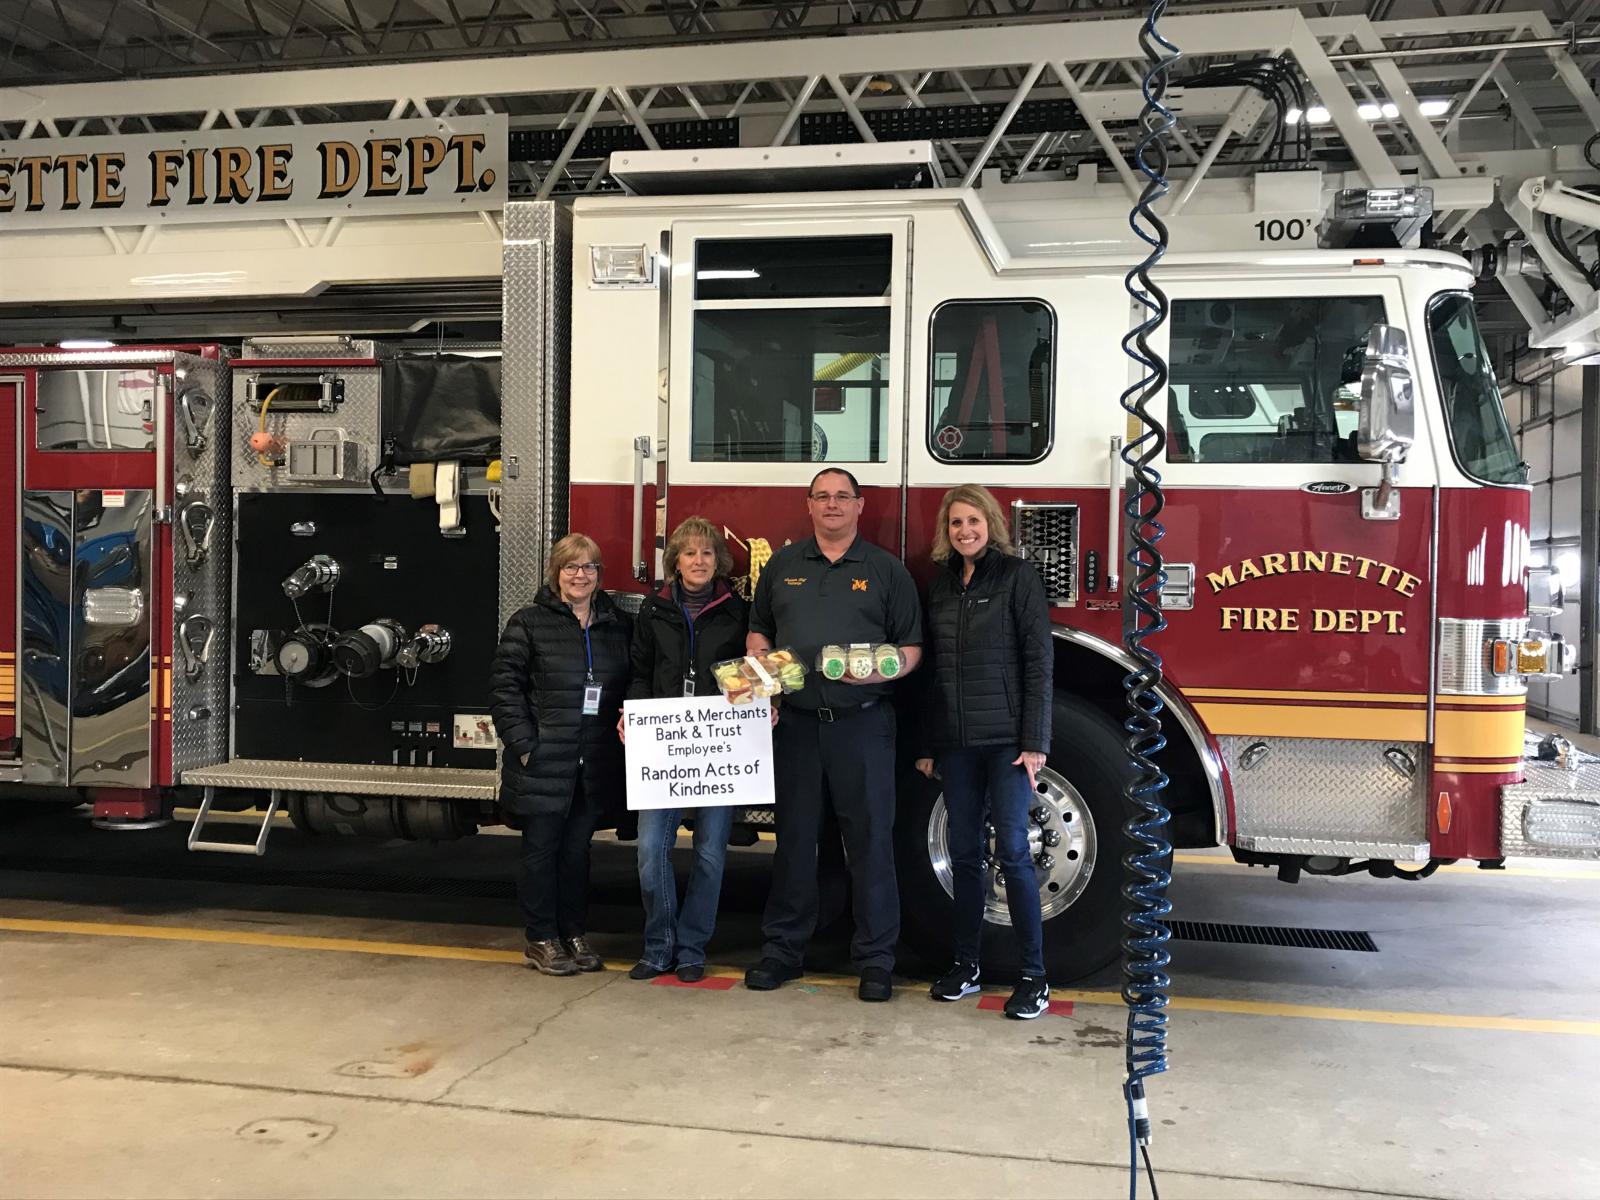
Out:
{"x": 1075, "y": 835}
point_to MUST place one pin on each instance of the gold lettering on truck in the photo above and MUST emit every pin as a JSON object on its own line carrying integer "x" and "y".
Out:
{"x": 1253, "y": 619}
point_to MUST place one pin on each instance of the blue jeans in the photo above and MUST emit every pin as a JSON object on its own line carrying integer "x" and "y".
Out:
{"x": 674, "y": 938}
{"x": 982, "y": 779}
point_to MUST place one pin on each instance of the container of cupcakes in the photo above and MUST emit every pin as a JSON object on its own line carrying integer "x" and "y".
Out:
{"x": 759, "y": 676}
{"x": 861, "y": 662}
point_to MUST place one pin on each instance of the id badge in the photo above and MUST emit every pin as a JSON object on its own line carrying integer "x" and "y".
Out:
{"x": 591, "y": 700}
{"x": 688, "y": 685}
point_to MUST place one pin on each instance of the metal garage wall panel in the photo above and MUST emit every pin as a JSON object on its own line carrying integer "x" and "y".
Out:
{"x": 1568, "y": 387}
{"x": 1566, "y": 510}
{"x": 1539, "y": 515}
{"x": 1536, "y": 451}
{"x": 1567, "y": 455}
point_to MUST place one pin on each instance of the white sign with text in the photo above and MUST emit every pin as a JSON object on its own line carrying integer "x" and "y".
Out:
{"x": 698, "y": 752}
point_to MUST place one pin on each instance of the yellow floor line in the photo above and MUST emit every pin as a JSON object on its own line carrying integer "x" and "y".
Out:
{"x": 1255, "y": 1008}
{"x": 1574, "y": 872}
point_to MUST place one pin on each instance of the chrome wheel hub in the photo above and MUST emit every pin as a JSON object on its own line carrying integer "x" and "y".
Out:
{"x": 1061, "y": 842}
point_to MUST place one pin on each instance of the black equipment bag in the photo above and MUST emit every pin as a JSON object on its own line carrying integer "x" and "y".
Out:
{"x": 439, "y": 408}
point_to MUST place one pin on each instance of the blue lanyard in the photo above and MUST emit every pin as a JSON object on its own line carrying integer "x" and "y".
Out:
{"x": 688, "y": 620}
{"x": 588, "y": 651}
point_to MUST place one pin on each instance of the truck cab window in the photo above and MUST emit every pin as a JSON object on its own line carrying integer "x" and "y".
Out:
{"x": 791, "y": 350}
{"x": 991, "y": 373}
{"x": 1472, "y": 409}
{"x": 1259, "y": 380}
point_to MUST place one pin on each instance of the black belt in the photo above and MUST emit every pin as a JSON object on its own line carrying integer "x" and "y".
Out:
{"x": 829, "y": 715}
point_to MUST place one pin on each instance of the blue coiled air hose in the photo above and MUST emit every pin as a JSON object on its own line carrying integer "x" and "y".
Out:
{"x": 1146, "y": 864}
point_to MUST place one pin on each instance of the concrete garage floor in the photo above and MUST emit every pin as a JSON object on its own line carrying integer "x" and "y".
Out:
{"x": 163, "y": 1037}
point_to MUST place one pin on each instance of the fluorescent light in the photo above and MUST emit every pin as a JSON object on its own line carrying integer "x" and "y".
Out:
{"x": 86, "y": 344}
{"x": 740, "y": 273}
{"x": 1372, "y": 111}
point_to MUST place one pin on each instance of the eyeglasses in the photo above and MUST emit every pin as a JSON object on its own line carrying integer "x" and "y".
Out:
{"x": 837, "y": 497}
{"x": 580, "y": 568}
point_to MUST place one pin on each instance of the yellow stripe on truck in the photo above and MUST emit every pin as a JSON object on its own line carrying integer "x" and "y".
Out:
{"x": 1368, "y": 724}
{"x": 1488, "y": 734}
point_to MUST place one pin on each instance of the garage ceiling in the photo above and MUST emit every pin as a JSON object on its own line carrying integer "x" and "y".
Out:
{"x": 57, "y": 41}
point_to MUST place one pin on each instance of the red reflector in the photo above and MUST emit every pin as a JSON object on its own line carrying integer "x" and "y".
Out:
{"x": 1441, "y": 812}
{"x": 1369, "y": 262}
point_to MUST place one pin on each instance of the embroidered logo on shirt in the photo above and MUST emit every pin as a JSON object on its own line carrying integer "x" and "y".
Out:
{"x": 794, "y": 582}
{"x": 858, "y": 585}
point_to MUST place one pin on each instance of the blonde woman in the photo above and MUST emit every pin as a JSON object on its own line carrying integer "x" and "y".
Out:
{"x": 697, "y": 619}
{"x": 989, "y": 729}
{"x": 556, "y": 690}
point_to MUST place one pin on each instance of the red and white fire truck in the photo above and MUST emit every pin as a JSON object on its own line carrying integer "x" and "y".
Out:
{"x": 1346, "y": 516}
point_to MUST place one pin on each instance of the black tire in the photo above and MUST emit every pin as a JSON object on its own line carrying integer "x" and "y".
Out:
{"x": 1084, "y": 937}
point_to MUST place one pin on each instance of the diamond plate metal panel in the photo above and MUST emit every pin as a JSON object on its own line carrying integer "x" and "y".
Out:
{"x": 1547, "y": 783}
{"x": 358, "y": 416}
{"x": 1327, "y": 796}
{"x": 326, "y": 347}
{"x": 534, "y": 409}
{"x": 200, "y": 705}
{"x": 443, "y": 783}
{"x": 87, "y": 358}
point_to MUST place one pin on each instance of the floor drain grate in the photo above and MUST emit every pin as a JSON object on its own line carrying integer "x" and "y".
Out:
{"x": 1274, "y": 935}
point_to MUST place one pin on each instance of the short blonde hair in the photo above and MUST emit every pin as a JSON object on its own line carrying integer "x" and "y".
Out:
{"x": 980, "y": 498}
{"x": 575, "y": 547}
{"x": 698, "y": 529}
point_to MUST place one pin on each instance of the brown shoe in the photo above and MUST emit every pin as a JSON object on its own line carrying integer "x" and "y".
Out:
{"x": 583, "y": 954}
{"x": 549, "y": 957}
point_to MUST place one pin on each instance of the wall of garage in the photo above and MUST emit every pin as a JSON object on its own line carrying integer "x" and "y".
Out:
{"x": 1555, "y": 421}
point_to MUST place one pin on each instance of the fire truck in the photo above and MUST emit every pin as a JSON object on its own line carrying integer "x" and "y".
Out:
{"x": 296, "y": 559}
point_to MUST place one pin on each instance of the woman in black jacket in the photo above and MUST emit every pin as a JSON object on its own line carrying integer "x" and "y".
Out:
{"x": 695, "y": 621}
{"x": 989, "y": 633}
{"x": 556, "y": 690}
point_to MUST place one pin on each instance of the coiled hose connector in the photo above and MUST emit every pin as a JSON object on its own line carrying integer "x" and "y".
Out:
{"x": 1146, "y": 864}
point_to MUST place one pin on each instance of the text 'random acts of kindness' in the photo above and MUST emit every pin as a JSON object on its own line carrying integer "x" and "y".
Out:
{"x": 698, "y": 751}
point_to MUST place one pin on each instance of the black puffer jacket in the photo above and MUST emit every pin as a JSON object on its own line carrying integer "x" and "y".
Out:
{"x": 992, "y": 657}
{"x": 536, "y": 697}
{"x": 661, "y": 642}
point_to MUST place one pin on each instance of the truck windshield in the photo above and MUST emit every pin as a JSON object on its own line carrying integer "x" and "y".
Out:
{"x": 1472, "y": 408}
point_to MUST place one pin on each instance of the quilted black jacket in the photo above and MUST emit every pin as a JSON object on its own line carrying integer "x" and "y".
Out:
{"x": 536, "y": 698}
{"x": 661, "y": 643}
{"x": 992, "y": 657}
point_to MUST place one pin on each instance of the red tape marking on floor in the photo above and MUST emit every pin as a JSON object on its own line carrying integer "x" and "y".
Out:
{"x": 1058, "y": 1008}
{"x": 716, "y": 983}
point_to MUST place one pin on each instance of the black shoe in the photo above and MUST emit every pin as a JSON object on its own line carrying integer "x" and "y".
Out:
{"x": 960, "y": 980}
{"x": 583, "y": 954}
{"x": 770, "y": 973}
{"x": 875, "y": 984}
{"x": 1029, "y": 999}
{"x": 643, "y": 970}
{"x": 691, "y": 972}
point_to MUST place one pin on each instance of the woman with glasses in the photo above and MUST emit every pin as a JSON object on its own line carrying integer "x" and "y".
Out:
{"x": 556, "y": 690}
{"x": 989, "y": 729}
{"x": 696, "y": 620}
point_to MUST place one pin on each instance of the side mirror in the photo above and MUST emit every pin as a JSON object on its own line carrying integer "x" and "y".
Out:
{"x": 1388, "y": 416}
{"x": 1546, "y": 592}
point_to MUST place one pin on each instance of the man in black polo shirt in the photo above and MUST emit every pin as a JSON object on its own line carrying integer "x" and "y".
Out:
{"x": 834, "y": 740}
